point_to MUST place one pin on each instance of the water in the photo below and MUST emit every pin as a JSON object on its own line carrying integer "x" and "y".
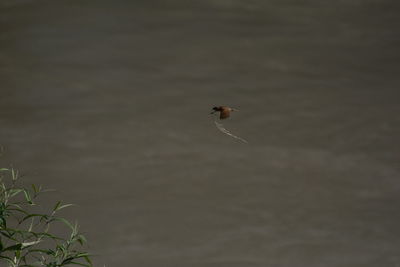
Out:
{"x": 109, "y": 102}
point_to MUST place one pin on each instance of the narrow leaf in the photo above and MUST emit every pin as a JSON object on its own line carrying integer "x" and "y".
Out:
{"x": 14, "y": 247}
{"x": 14, "y": 192}
{"x": 67, "y": 223}
{"x": 28, "y": 244}
{"x": 33, "y": 215}
{"x": 28, "y": 196}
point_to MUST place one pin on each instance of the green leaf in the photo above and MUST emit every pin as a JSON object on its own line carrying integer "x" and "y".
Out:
{"x": 14, "y": 192}
{"x": 35, "y": 190}
{"x": 14, "y": 174}
{"x": 82, "y": 255}
{"x": 65, "y": 206}
{"x": 19, "y": 210}
{"x": 28, "y": 196}
{"x": 7, "y": 259}
{"x": 15, "y": 205}
{"x": 42, "y": 234}
{"x": 14, "y": 247}
{"x": 3, "y": 223}
{"x": 17, "y": 253}
{"x": 88, "y": 260}
{"x": 29, "y": 244}
{"x": 33, "y": 215}
{"x": 6, "y": 234}
{"x": 58, "y": 206}
{"x": 45, "y": 251}
{"x": 67, "y": 261}
{"x": 81, "y": 239}
{"x": 67, "y": 223}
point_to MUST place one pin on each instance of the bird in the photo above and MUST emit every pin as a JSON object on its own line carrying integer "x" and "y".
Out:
{"x": 224, "y": 111}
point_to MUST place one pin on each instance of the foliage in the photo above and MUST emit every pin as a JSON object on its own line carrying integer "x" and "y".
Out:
{"x": 25, "y": 236}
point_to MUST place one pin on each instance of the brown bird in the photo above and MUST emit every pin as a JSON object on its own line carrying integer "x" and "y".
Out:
{"x": 224, "y": 111}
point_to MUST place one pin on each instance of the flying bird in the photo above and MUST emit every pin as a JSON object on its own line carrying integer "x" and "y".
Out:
{"x": 224, "y": 112}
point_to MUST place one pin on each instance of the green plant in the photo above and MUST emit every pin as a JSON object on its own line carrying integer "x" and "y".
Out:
{"x": 25, "y": 236}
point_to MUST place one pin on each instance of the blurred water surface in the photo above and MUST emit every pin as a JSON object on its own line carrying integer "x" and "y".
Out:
{"x": 108, "y": 102}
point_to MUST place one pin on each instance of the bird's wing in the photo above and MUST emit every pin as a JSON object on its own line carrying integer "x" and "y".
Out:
{"x": 225, "y": 131}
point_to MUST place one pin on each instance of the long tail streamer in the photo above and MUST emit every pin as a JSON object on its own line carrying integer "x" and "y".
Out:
{"x": 225, "y": 131}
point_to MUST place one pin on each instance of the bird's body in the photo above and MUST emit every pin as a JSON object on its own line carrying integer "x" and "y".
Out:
{"x": 224, "y": 112}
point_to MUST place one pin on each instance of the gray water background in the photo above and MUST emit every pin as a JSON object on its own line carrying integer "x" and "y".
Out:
{"x": 108, "y": 102}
